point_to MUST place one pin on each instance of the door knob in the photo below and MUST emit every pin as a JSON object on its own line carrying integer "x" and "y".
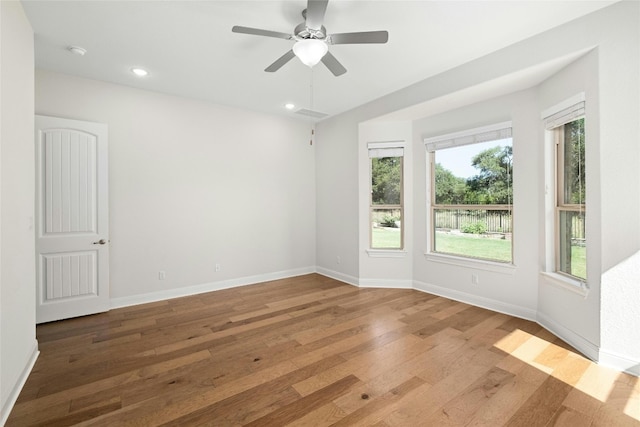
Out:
{"x": 100, "y": 242}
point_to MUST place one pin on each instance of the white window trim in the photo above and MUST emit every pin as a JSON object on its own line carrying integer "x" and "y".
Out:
{"x": 564, "y": 105}
{"x": 377, "y": 153}
{"x": 386, "y": 253}
{"x": 493, "y": 132}
{"x": 386, "y": 144}
{"x": 387, "y": 149}
{"x": 476, "y": 135}
{"x": 569, "y": 283}
{"x": 474, "y": 263}
{"x": 553, "y": 117}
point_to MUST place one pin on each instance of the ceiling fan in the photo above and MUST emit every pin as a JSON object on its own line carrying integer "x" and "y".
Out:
{"x": 312, "y": 40}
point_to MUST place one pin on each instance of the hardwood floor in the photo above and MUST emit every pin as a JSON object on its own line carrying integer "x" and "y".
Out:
{"x": 314, "y": 351}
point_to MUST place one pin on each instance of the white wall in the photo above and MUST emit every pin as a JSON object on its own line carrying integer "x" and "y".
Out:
{"x": 193, "y": 185}
{"x": 390, "y": 269}
{"x": 561, "y": 307}
{"x": 619, "y": 102}
{"x": 609, "y": 78}
{"x": 337, "y": 198}
{"x": 509, "y": 289}
{"x": 18, "y": 346}
{"x": 609, "y": 74}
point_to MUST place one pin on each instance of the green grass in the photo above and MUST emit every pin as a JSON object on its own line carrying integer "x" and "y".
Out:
{"x": 579, "y": 261}
{"x": 386, "y": 238}
{"x": 476, "y": 247}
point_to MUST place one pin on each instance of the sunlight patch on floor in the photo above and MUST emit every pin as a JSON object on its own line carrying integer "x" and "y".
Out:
{"x": 632, "y": 408}
{"x": 596, "y": 381}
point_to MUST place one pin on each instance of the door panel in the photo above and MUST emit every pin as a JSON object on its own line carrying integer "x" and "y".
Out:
{"x": 69, "y": 181}
{"x": 70, "y": 275}
{"x": 72, "y": 211}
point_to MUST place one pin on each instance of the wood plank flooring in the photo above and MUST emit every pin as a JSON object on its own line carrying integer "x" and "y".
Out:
{"x": 310, "y": 351}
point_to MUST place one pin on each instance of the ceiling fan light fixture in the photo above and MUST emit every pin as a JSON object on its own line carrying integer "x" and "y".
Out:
{"x": 310, "y": 51}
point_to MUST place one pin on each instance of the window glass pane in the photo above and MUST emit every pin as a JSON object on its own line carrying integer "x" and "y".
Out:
{"x": 574, "y": 171}
{"x": 570, "y": 234}
{"x": 475, "y": 174}
{"x": 386, "y": 180}
{"x": 572, "y": 256}
{"x": 386, "y": 229}
{"x": 476, "y": 233}
{"x": 466, "y": 176}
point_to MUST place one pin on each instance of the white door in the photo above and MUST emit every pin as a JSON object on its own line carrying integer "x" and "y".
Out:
{"x": 72, "y": 227}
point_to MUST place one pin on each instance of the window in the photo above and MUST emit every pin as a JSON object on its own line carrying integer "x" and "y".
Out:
{"x": 568, "y": 130}
{"x": 471, "y": 198}
{"x": 386, "y": 201}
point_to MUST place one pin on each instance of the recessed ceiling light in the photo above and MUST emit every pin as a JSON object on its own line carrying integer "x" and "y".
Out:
{"x": 140, "y": 72}
{"x": 77, "y": 50}
{"x": 289, "y": 106}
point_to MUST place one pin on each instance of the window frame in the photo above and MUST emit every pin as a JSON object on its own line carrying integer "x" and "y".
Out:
{"x": 494, "y": 132}
{"x": 391, "y": 146}
{"x": 552, "y": 118}
{"x": 559, "y": 196}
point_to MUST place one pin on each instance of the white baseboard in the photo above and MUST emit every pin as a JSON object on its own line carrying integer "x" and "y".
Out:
{"x": 17, "y": 388}
{"x": 619, "y": 362}
{"x": 386, "y": 283}
{"x": 338, "y": 276}
{"x": 580, "y": 343}
{"x": 365, "y": 283}
{"x": 207, "y": 287}
{"x": 488, "y": 303}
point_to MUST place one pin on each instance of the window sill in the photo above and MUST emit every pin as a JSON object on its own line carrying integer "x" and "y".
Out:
{"x": 386, "y": 253}
{"x": 476, "y": 264}
{"x": 573, "y": 285}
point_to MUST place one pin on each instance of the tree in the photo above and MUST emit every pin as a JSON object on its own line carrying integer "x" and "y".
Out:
{"x": 386, "y": 179}
{"x": 450, "y": 189}
{"x": 574, "y": 179}
{"x": 494, "y": 182}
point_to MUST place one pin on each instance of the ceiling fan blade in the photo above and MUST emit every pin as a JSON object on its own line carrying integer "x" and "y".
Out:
{"x": 360, "y": 38}
{"x": 259, "y": 32}
{"x": 280, "y": 62}
{"x": 333, "y": 64}
{"x": 315, "y": 13}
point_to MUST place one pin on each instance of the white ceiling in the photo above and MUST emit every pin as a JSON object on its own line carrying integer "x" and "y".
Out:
{"x": 189, "y": 49}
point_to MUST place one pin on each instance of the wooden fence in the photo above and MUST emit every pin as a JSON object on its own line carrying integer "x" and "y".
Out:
{"x": 494, "y": 221}
{"x": 458, "y": 219}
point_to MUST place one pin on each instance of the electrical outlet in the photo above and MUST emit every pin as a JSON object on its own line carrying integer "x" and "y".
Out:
{"x": 338, "y": 260}
{"x": 475, "y": 280}
{"x": 217, "y": 267}
{"x": 161, "y": 275}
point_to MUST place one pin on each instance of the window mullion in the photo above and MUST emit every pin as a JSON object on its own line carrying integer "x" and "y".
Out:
{"x": 475, "y": 207}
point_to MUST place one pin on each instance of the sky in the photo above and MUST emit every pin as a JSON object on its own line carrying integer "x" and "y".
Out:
{"x": 458, "y": 159}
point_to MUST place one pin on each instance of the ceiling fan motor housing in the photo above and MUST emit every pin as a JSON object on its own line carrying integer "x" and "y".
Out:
{"x": 302, "y": 32}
